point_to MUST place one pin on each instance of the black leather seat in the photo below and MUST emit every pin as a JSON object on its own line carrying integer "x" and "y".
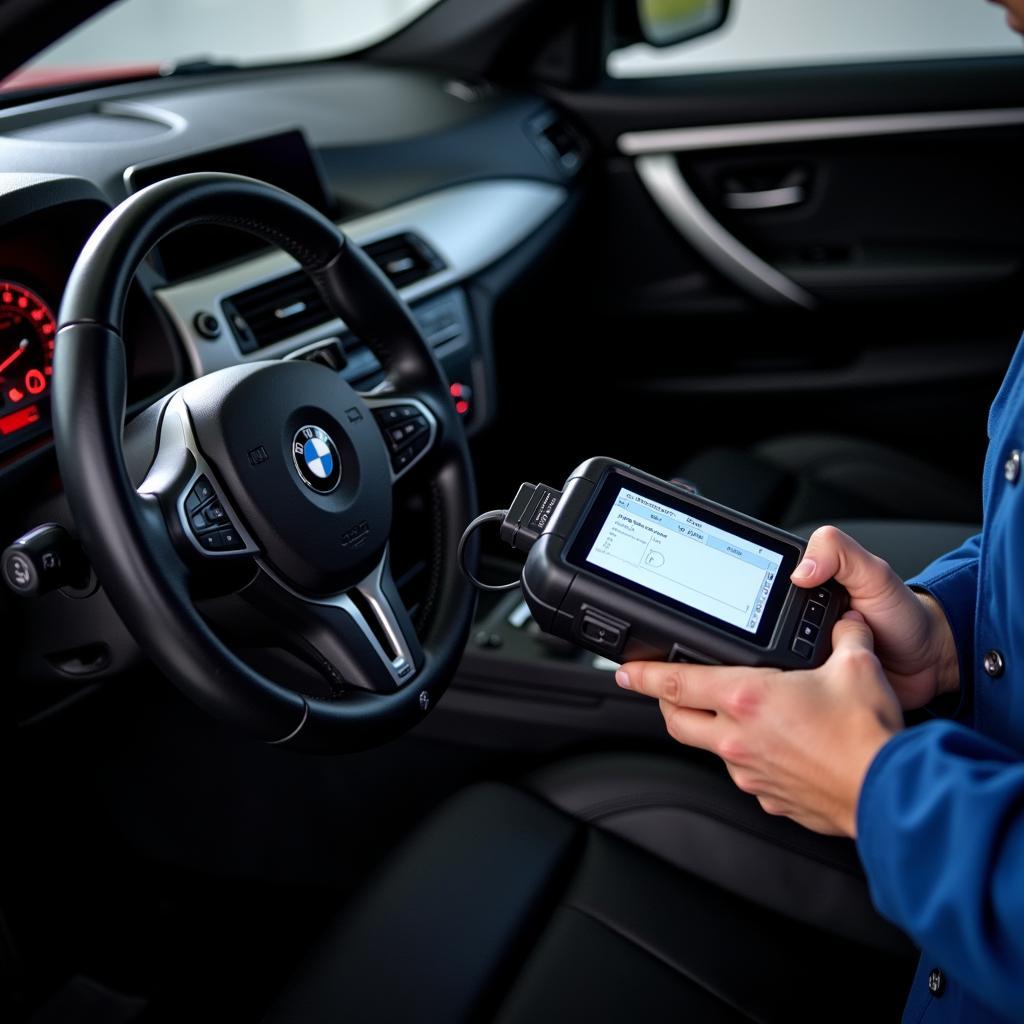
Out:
{"x": 818, "y": 478}
{"x": 895, "y": 505}
{"x": 506, "y": 907}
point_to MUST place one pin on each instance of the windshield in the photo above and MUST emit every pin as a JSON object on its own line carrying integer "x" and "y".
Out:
{"x": 139, "y": 37}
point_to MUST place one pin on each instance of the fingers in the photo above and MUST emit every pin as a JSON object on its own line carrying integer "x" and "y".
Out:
{"x": 758, "y": 786}
{"x": 688, "y": 726}
{"x": 851, "y": 634}
{"x": 692, "y": 686}
{"x": 831, "y": 553}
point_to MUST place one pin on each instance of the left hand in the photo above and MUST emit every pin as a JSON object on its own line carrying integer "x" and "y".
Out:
{"x": 801, "y": 741}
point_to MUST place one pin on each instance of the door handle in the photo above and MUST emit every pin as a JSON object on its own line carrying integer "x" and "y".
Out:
{"x": 753, "y": 192}
{"x": 766, "y": 199}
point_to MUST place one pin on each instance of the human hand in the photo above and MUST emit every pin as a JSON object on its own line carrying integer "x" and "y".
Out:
{"x": 802, "y": 741}
{"x": 913, "y": 640}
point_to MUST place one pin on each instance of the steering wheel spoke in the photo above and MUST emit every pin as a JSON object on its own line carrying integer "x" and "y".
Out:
{"x": 201, "y": 519}
{"x": 359, "y": 639}
{"x": 409, "y": 428}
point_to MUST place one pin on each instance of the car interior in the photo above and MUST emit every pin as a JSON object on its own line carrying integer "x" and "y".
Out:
{"x": 267, "y": 754}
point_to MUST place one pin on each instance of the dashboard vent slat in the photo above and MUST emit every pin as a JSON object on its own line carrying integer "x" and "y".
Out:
{"x": 288, "y": 305}
{"x": 275, "y": 310}
{"x": 404, "y": 258}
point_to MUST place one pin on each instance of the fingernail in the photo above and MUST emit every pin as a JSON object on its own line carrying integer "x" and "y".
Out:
{"x": 622, "y": 678}
{"x": 804, "y": 569}
{"x": 854, "y": 616}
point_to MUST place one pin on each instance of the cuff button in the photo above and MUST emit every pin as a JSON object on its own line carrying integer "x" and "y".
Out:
{"x": 1011, "y": 468}
{"x": 936, "y": 982}
{"x": 994, "y": 664}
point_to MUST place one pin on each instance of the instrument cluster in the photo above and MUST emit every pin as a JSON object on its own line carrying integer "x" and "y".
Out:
{"x": 27, "y": 329}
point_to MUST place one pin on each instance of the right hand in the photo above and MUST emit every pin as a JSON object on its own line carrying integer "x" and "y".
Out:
{"x": 913, "y": 640}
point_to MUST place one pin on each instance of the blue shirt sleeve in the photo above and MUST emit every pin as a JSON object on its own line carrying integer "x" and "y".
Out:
{"x": 953, "y": 581}
{"x": 940, "y": 829}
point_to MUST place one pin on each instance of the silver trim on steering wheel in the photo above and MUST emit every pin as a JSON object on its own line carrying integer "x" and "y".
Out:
{"x": 401, "y": 666}
{"x": 176, "y": 435}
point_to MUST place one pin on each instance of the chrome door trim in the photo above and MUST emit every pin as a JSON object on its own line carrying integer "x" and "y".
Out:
{"x": 770, "y": 133}
{"x": 664, "y": 181}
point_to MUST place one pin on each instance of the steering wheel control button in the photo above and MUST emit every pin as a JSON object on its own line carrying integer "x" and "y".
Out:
{"x": 406, "y": 431}
{"x": 316, "y": 459}
{"x": 394, "y": 414}
{"x": 1011, "y": 470}
{"x": 210, "y": 523}
{"x": 803, "y": 649}
{"x": 201, "y": 493}
{"x": 226, "y": 539}
{"x": 814, "y": 612}
{"x": 936, "y": 982}
{"x": 994, "y": 664}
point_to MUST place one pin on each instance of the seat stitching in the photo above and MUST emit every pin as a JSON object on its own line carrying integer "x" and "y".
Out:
{"x": 655, "y": 955}
{"x": 642, "y": 801}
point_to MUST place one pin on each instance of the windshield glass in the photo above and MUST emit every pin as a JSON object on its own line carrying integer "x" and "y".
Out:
{"x": 138, "y": 37}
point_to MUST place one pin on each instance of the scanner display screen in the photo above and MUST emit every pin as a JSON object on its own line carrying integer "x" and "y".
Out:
{"x": 687, "y": 559}
{"x": 712, "y": 565}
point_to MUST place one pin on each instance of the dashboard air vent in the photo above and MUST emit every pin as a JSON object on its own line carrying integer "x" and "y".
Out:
{"x": 405, "y": 258}
{"x": 289, "y": 305}
{"x": 275, "y": 310}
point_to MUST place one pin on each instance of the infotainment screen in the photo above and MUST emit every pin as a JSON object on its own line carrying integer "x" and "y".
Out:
{"x": 687, "y": 559}
{"x": 284, "y": 160}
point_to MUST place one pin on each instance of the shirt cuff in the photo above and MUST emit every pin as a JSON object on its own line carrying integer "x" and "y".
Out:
{"x": 956, "y": 591}
{"x": 874, "y": 832}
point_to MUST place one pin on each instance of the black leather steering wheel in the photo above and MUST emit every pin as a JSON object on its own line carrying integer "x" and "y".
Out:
{"x": 265, "y": 488}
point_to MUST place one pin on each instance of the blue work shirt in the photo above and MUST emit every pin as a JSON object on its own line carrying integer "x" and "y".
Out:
{"x": 940, "y": 822}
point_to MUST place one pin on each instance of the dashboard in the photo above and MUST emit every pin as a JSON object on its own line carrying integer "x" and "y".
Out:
{"x": 446, "y": 185}
{"x": 439, "y": 179}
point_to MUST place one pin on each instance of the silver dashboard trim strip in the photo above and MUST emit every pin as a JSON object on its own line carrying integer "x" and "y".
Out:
{"x": 768, "y": 133}
{"x": 664, "y": 181}
{"x": 470, "y": 226}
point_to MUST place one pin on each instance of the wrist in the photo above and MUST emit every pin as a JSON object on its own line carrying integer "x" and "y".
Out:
{"x": 947, "y": 662}
{"x": 872, "y": 738}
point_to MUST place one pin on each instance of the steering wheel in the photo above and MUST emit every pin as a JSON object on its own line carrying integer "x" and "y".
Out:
{"x": 265, "y": 490}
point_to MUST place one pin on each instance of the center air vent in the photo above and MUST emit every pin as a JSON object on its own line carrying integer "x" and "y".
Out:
{"x": 275, "y": 310}
{"x": 405, "y": 259}
{"x": 289, "y": 305}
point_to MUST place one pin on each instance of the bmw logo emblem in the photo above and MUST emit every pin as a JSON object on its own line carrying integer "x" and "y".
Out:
{"x": 316, "y": 459}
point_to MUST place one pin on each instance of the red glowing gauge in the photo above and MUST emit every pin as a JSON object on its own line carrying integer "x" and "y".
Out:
{"x": 27, "y": 329}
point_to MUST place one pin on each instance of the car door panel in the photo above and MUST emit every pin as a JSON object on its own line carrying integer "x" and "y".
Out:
{"x": 774, "y": 237}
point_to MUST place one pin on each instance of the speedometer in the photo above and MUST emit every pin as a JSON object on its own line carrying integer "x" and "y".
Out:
{"x": 27, "y": 329}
